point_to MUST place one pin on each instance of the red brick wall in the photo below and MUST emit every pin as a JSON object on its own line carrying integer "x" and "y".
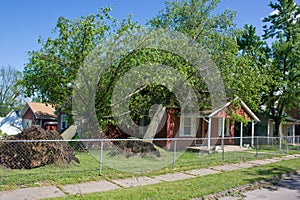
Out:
{"x": 170, "y": 129}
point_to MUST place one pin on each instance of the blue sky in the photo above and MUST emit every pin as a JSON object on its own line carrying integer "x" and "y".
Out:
{"x": 21, "y": 22}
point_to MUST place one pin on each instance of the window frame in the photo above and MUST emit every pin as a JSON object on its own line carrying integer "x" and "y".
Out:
{"x": 63, "y": 119}
{"x": 192, "y": 132}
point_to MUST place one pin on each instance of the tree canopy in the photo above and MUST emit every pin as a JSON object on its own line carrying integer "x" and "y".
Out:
{"x": 283, "y": 27}
{"x": 218, "y": 35}
{"x": 51, "y": 71}
{"x": 249, "y": 67}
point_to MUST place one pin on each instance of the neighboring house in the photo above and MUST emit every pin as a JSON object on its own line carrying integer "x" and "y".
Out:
{"x": 40, "y": 114}
{"x": 12, "y": 123}
{"x": 295, "y": 116}
{"x": 207, "y": 127}
{"x": 62, "y": 122}
{"x": 290, "y": 127}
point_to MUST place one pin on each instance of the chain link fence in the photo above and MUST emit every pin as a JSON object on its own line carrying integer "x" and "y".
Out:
{"x": 124, "y": 157}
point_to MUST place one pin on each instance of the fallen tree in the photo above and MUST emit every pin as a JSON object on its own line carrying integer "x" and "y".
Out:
{"x": 30, "y": 149}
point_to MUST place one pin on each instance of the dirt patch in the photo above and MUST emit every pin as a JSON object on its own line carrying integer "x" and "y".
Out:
{"x": 128, "y": 147}
{"x": 137, "y": 147}
{"x": 27, "y": 155}
{"x": 114, "y": 132}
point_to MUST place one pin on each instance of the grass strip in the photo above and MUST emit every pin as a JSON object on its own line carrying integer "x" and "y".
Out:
{"x": 88, "y": 169}
{"x": 199, "y": 186}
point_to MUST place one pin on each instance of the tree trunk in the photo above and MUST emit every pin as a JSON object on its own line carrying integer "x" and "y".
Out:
{"x": 277, "y": 127}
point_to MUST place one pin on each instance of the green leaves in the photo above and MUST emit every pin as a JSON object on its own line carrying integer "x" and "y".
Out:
{"x": 51, "y": 70}
{"x": 10, "y": 90}
{"x": 250, "y": 69}
{"x": 283, "y": 26}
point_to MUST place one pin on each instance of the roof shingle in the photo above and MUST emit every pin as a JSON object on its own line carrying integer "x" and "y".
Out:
{"x": 41, "y": 110}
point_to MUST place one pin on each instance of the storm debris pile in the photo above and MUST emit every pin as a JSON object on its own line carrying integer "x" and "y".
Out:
{"x": 31, "y": 151}
{"x": 133, "y": 148}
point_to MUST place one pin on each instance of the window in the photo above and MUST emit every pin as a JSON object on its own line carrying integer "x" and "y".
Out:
{"x": 187, "y": 126}
{"x": 64, "y": 122}
{"x": 226, "y": 128}
{"x": 220, "y": 126}
{"x": 27, "y": 123}
{"x": 227, "y": 123}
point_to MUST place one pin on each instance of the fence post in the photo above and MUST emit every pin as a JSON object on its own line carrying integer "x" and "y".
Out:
{"x": 256, "y": 148}
{"x": 280, "y": 145}
{"x": 101, "y": 157}
{"x": 223, "y": 150}
{"x": 286, "y": 145}
{"x": 174, "y": 153}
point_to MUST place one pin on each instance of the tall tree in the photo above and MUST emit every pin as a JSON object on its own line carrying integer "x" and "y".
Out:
{"x": 256, "y": 52}
{"x": 283, "y": 27}
{"x": 10, "y": 89}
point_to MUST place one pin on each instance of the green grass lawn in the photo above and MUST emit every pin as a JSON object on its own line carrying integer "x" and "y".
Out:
{"x": 197, "y": 187}
{"x": 88, "y": 169}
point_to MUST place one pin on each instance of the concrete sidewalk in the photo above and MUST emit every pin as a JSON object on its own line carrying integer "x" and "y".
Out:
{"x": 104, "y": 185}
{"x": 283, "y": 187}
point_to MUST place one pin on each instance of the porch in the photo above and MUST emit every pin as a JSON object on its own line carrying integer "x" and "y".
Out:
{"x": 209, "y": 128}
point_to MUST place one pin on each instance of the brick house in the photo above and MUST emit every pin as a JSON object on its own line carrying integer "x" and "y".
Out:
{"x": 290, "y": 127}
{"x": 206, "y": 127}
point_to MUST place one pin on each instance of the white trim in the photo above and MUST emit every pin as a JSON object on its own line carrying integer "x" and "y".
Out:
{"x": 268, "y": 132}
{"x": 203, "y": 127}
{"x": 293, "y": 133}
{"x": 218, "y": 110}
{"x": 220, "y": 127}
{"x": 255, "y": 118}
{"x": 241, "y": 135}
{"x": 252, "y": 134}
{"x": 62, "y": 121}
{"x": 27, "y": 123}
{"x": 250, "y": 112}
{"x": 223, "y": 132}
{"x": 208, "y": 133}
{"x": 227, "y": 126}
{"x": 280, "y": 130}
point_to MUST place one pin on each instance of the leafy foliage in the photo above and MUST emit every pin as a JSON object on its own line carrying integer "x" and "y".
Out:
{"x": 149, "y": 94}
{"x": 283, "y": 27}
{"x": 51, "y": 71}
{"x": 250, "y": 69}
{"x": 217, "y": 35}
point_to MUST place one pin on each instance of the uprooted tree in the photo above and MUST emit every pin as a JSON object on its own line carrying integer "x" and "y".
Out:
{"x": 31, "y": 150}
{"x": 51, "y": 71}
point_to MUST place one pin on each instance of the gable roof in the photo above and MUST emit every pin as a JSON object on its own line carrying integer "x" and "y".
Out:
{"x": 212, "y": 113}
{"x": 40, "y": 110}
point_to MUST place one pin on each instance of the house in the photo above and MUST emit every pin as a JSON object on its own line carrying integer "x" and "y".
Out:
{"x": 62, "y": 122}
{"x": 35, "y": 113}
{"x": 11, "y": 124}
{"x": 290, "y": 127}
{"x": 207, "y": 127}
